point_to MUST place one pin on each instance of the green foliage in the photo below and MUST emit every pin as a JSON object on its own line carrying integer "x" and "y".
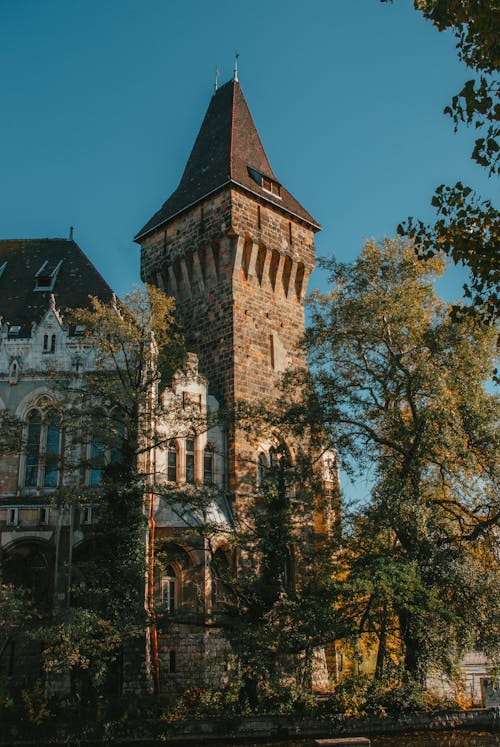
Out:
{"x": 110, "y": 411}
{"x": 36, "y": 704}
{"x": 361, "y": 696}
{"x": 401, "y": 389}
{"x": 279, "y": 606}
{"x": 467, "y": 228}
{"x": 10, "y": 433}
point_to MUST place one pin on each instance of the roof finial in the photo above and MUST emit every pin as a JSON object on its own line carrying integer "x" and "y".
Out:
{"x": 71, "y": 233}
{"x": 236, "y": 55}
{"x": 216, "y": 84}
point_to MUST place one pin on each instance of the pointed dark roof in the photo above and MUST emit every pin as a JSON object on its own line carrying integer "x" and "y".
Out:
{"x": 227, "y": 149}
{"x": 59, "y": 264}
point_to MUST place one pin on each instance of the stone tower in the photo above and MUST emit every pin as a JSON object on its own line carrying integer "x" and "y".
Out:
{"x": 236, "y": 250}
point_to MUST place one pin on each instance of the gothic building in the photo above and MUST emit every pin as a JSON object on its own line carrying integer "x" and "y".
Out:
{"x": 235, "y": 249}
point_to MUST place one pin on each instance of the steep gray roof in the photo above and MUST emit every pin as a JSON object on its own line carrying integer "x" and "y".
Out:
{"x": 227, "y": 150}
{"x": 56, "y": 264}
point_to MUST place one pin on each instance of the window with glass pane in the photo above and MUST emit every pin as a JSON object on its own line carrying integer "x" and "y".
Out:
{"x": 33, "y": 450}
{"x": 116, "y": 451}
{"x": 97, "y": 462}
{"x": 52, "y": 441}
{"x": 208, "y": 465}
{"x": 172, "y": 462}
{"x": 168, "y": 589}
{"x": 190, "y": 460}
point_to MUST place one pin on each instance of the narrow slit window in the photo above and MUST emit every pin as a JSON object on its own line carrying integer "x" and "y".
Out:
{"x": 190, "y": 460}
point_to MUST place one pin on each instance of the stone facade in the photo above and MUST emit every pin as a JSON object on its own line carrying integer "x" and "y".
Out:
{"x": 235, "y": 250}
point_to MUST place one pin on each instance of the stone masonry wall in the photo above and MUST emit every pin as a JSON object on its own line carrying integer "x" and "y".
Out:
{"x": 238, "y": 269}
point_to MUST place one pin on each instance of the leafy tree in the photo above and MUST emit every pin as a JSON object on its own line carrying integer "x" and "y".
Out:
{"x": 467, "y": 228}
{"x": 401, "y": 391}
{"x": 281, "y": 604}
{"x": 111, "y": 410}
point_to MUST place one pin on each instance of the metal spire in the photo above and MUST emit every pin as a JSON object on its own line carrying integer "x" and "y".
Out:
{"x": 216, "y": 84}
{"x": 236, "y": 55}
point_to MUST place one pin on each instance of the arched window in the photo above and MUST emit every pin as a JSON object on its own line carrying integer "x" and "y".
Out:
{"x": 209, "y": 465}
{"x": 190, "y": 460}
{"x": 172, "y": 462}
{"x": 169, "y": 589}
{"x": 49, "y": 344}
{"x": 261, "y": 468}
{"x": 219, "y": 571}
{"x": 43, "y": 449}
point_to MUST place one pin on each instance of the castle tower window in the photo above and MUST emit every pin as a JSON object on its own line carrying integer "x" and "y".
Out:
{"x": 43, "y": 515}
{"x": 190, "y": 460}
{"x": 172, "y": 462}
{"x": 208, "y": 465}
{"x": 267, "y": 184}
{"x": 169, "y": 589}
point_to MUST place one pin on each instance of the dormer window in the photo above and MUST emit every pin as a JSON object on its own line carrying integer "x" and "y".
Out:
{"x": 14, "y": 330}
{"x": 46, "y": 276}
{"x": 267, "y": 184}
{"x": 49, "y": 343}
{"x": 270, "y": 186}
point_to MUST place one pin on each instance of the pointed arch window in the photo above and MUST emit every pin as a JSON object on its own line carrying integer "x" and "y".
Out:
{"x": 43, "y": 449}
{"x": 49, "y": 343}
{"x": 169, "y": 589}
{"x": 172, "y": 461}
{"x": 190, "y": 460}
{"x": 219, "y": 572}
{"x": 209, "y": 465}
{"x": 262, "y": 466}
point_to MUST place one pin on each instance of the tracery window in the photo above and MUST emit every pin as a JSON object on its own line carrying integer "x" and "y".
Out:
{"x": 43, "y": 448}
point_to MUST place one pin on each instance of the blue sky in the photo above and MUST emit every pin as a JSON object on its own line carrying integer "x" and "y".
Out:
{"x": 101, "y": 101}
